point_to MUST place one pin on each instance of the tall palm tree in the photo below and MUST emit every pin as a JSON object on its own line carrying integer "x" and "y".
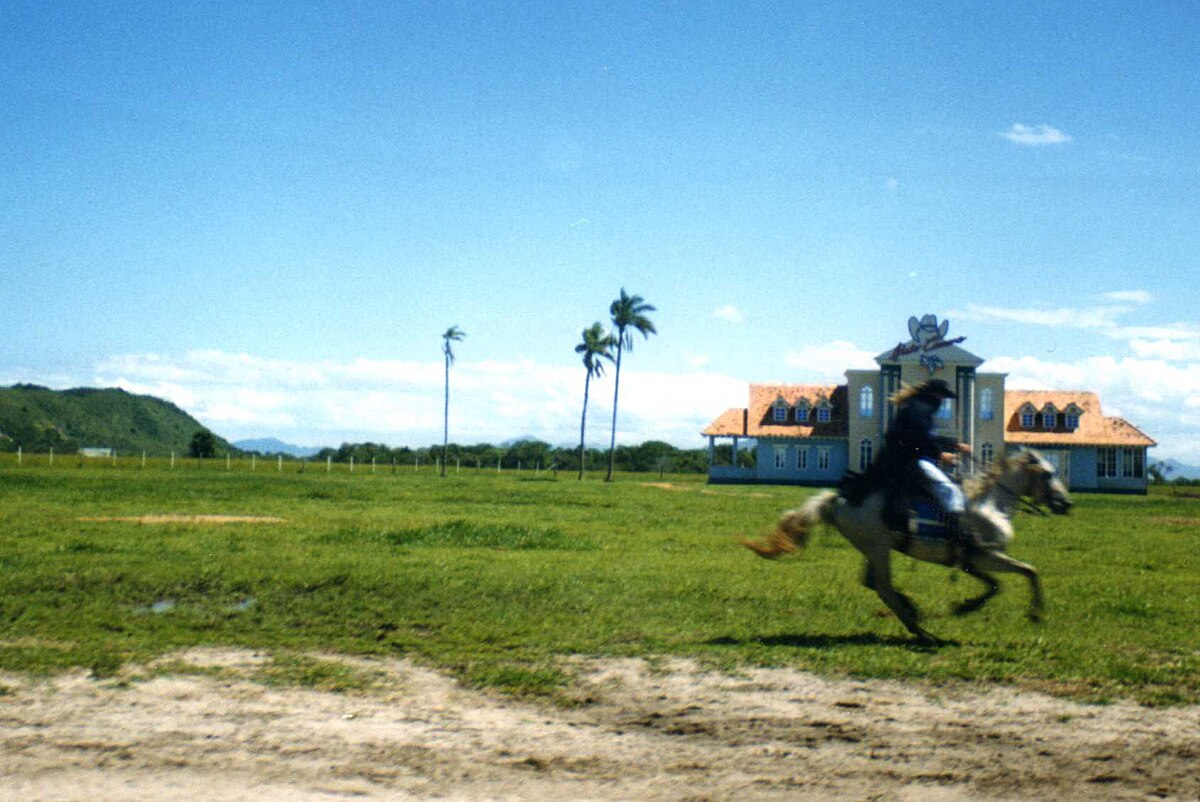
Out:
{"x": 628, "y": 315}
{"x": 453, "y": 334}
{"x": 596, "y": 347}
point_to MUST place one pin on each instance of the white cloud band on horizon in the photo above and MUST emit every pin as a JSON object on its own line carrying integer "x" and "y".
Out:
{"x": 400, "y": 402}
{"x": 322, "y": 403}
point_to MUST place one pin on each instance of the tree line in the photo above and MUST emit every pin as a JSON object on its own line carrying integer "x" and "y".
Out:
{"x": 653, "y": 456}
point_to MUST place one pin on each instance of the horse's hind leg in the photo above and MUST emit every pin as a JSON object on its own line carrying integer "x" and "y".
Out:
{"x": 998, "y": 561}
{"x": 973, "y": 604}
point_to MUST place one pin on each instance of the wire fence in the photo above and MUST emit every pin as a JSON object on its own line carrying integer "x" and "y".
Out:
{"x": 253, "y": 463}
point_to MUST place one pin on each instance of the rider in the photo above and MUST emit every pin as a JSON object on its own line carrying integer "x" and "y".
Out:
{"x": 913, "y": 449}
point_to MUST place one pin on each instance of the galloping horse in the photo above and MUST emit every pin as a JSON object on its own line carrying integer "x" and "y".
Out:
{"x": 990, "y": 506}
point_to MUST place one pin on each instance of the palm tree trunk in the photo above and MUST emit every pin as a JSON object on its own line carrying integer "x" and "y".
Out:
{"x": 446, "y": 418}
{"x": 587, "y": 382}
{"x": 612, "y": 444}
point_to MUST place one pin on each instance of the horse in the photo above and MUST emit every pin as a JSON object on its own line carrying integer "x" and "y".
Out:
{"x": 1025, "y": 477}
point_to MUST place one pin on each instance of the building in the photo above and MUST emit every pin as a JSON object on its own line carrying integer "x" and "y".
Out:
{"x": 812, "y": 434}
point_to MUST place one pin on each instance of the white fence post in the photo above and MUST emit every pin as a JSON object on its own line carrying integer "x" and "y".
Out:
{"x": 281, "y": 463}
{"x": 52, "y": 458}
{"x": 172, "y": 459}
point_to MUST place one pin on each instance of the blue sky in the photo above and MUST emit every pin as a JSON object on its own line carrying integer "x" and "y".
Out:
{"x": 269, "y": 212}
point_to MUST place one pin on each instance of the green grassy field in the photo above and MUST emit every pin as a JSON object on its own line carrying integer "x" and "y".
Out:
{"x": 497, "y": 577}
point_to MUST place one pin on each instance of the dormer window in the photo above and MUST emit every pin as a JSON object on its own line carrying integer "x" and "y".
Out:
{"x": 1027, "y": 415}
{"x": 801, "y": 415}
{"x": 824, "y": 411}
{"x": 1049, "y": 417}
{"x": 779, "y": 410}
{"x": 1071, "y": 417}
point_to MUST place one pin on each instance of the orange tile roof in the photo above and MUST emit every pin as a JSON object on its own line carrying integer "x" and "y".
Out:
{"x": 1094, "y": 428}
{"x": 757, "y": 420}
{"x": 730, "y": 423}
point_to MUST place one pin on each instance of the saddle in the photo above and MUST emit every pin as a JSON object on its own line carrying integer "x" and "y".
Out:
{"x": 908, "y": 500}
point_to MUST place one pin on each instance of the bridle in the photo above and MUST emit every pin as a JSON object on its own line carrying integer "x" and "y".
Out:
{"x": 1021, "y": 501}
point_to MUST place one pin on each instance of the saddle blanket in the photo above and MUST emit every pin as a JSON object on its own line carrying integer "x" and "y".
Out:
{"x": 928, "y": 522}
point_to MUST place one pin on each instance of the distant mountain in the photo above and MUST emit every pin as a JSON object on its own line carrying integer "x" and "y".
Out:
{"x": 38, "y": 419}
{"x": 1179, "y": 470}
{"x": 272, "y": 445}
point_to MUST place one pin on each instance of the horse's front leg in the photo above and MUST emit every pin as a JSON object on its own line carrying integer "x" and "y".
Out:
{"x": 999, "y": 561}
{"x": 973, "y": 604}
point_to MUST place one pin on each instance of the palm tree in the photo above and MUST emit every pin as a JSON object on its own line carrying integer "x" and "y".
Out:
{"x": 596, "y": 346}
{"x": 453, "y": 334}
{"x": 628, "y": 315}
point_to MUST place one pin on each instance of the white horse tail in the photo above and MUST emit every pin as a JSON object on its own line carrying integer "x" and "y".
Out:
{"x": 794, "y": 527}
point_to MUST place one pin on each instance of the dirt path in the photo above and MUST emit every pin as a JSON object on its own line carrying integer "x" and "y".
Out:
{"x": 647, "y": 732}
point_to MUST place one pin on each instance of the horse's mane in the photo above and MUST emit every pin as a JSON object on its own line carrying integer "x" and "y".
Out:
{"x": 978, "y": 486}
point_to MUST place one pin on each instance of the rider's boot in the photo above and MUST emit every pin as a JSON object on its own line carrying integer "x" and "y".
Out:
{"x": 964, "y": 538}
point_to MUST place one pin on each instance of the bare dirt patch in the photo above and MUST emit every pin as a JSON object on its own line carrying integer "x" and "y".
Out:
{"x": 646, "y": 731}
{"x": 1170, "y": 521}
{"x": 187, "y": 519}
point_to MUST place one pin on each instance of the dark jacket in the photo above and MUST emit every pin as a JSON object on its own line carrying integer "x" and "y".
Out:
{"x": 911, "y": 435}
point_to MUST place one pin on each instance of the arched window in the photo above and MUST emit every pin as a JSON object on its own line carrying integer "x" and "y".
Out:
{"x": 865, "y": 454}
{"x": 866, "y": 401}
{"x": 987, "y": 404}
{"x": 986, "y": 455}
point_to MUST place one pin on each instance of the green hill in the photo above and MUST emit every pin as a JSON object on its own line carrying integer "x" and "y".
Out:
{"x": 37, "y": 419}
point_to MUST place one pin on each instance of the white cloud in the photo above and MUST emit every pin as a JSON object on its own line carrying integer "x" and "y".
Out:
{"x": 1097, "y": 318}
{"x": 1035, "y": 135}
{"x": 1156, "y": 385}
{"x": 1129, "y": 296}
{"x": 400, "y": 403}
{"x": 828, "y": 362}
{"x": 1160, "y": 397}
{"x": 1170, "y": 350}
{"x": 729, "y": 313}
{"x": 1102, "y": 319}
